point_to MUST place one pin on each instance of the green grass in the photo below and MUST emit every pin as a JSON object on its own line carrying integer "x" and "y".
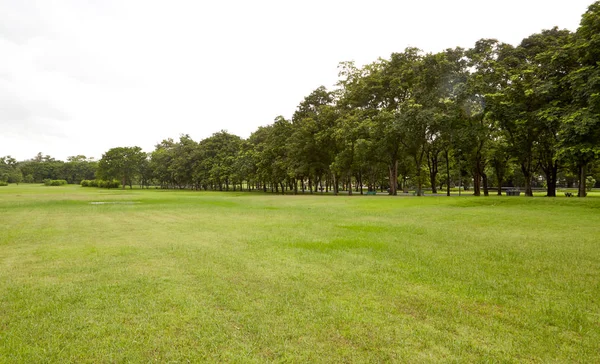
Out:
{"x": 176, "y": 276}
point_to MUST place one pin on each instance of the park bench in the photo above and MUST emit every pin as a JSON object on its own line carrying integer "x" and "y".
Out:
{"x": 371, "y": 193}
{"x": 568, "y": 194}
{"x": 513, "y": 192}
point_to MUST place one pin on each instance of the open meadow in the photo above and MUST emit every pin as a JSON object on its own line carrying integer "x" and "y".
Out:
{"x": 93, "y": 275}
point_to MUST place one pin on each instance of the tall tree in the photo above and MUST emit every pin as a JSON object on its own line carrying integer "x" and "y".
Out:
{"x": 580, "y": 136}
{"x": 122, "y": 163}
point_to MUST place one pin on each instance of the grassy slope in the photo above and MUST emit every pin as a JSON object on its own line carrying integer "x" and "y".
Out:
{"x": 247, "y": 277}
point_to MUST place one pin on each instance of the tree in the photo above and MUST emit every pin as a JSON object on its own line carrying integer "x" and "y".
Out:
{"x": 311, "y": 146}
{"x": 78, "y": 168}
{"x": 215, "y": 160}
{"x": 579, "y": 138}
{"x": 122, "y": 163}
{"x": 488, "y": 61}
{"x": 548, "y": 55}
{"x": 184, "y": 157}
{"x": 43, "y": 167}
{"x": 160, "y": 162}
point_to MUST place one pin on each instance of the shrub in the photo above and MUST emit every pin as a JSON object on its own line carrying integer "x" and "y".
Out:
{"x": 590, "y": 182}
{"x": 101, "y": 183}
{"x": 55, "y": 182}
{"x": 3, "y": 183}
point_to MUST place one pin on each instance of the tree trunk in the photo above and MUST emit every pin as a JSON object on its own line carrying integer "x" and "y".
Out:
{"x": 551, "y": 172}
{"x": 526, "y": 168}
{"x": 349, "y": 184}
{"x": 500, "y": 178}
{"x": 486, "y": 191}
{"x": 499, "y": 169}
{"x": 336, "y": 188}
{"x": 418, "y": 163}
{"x": 432, "y": 163}
{"x": 582, "y": 176}
{"x": 360, "y": 182}
{"x": 393, "y": 178}
{"x": 447, "y": 173}
{"x": 476, "y": 183}
{"x": 419, "y": 183}
{"x": 528, "y": 189}
{"x": 432, "y": 178}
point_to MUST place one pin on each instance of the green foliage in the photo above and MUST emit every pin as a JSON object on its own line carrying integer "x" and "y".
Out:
{"x": 101, "y": 183}
{"x": 109, "y": 184}
{"x": 590, "y": 183}
{"x": 494, "y": 114}
{"x": 55, "y": 182}
{"x": 3, "y": 184}
{"x": 122, "y": 163}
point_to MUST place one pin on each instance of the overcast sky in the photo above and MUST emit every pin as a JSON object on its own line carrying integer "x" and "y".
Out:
{"x": 81, "y": 77}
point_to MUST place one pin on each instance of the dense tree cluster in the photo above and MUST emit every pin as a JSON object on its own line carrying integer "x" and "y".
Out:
{"x": 493, "y": 115}
{"x": 41, "y": 168}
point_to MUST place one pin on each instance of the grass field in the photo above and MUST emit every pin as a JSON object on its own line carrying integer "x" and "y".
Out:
{"x": 177, "y": 276}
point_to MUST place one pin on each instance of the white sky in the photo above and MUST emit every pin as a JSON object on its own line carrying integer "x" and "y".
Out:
{"x": 81, "y": 77}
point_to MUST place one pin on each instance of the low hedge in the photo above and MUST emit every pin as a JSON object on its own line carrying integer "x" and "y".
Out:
{"x": 100, "y": 183}
{"x": 55, "y": 182}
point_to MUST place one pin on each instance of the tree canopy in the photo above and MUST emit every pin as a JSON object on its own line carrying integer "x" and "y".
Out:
{"x": 492, "y": 115}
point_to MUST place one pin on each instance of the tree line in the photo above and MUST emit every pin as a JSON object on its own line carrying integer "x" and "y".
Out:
{"x": 42, "y": 168}
{"x": 490, "y": 116}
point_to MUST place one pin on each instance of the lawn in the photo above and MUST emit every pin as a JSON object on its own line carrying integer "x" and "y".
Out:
{"x": 177, "y": 276}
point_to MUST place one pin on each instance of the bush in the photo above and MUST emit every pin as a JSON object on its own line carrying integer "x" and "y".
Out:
{"x": 55, "y": 182}
{"x": 100, "y": 183}
{"x": 590, "y": 182}
{"x": 113, "y": 184}
{"x": 3, "y": 183}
